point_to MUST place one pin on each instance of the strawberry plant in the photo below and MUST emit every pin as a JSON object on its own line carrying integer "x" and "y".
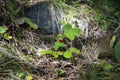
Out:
{"x": 69, "y": 33}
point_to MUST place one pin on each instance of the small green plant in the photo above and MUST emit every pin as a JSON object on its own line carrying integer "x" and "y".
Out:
{"x": 70, "y": 34}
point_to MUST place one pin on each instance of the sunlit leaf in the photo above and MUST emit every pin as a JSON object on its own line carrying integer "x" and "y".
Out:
{"x": 7, "y": 36}
{"x": 3, "y": 29}
{"x": 28, "y": 77}
{"x": 112, "y": 41}
{"x": 70, "y": 32}
{"x": 60, "y": 53}
{"x": 57, "y": 45}
{"x": 55, "y": 55}
{"x": 75, "y": 50}
{"x": 21, "y": 74}
{"x": 43, "y": 52}
{"x": 67, "y": 54}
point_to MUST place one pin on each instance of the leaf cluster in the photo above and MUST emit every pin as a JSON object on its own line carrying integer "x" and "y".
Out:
{"x": 69, "y": 33}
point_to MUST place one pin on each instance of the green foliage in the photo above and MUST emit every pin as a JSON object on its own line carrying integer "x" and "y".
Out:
{"x": 112, "y": 41}
{"x": 46, "y": 52}
{"x": 70, "y": 32}
{"x": 57, "y": 45}
{"x": 3, "y": 29}
{"x": 67, "y": 54}
{"x": 32, "y": 25}
{"x": 20, "y": 75}
{"x": 3, "y": 34}
{"x": 53, "y": 53}
{"x": 117, "y": 51}
{"x": 74, "y": 50}
{"x": 106, "y": 12}
{"x": 12, "y": 8}
{"x": 106, "y": 66}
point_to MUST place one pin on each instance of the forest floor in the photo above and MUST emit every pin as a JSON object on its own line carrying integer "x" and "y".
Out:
{"x": 20, "y": 57}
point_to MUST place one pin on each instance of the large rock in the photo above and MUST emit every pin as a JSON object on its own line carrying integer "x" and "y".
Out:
{"x": 46, "y": 16}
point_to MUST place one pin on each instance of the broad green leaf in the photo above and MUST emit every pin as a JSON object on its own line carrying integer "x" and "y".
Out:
{"x": 3, "y": 29}
{"x": 75, "y": 50}
{"x": 117, "y": 51}
{"x": 70, "y": 32}
{"x": 55, "y": 55}
{"x": 58, "y": 45}
{"x": 67, "y": 27}
{"x": 67, "y": 54}
{"x": 112, "y": 41}
{"x": 77, "y": 31}
{"x": 70, "y": 36}
{"x": 33, "y": 25}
